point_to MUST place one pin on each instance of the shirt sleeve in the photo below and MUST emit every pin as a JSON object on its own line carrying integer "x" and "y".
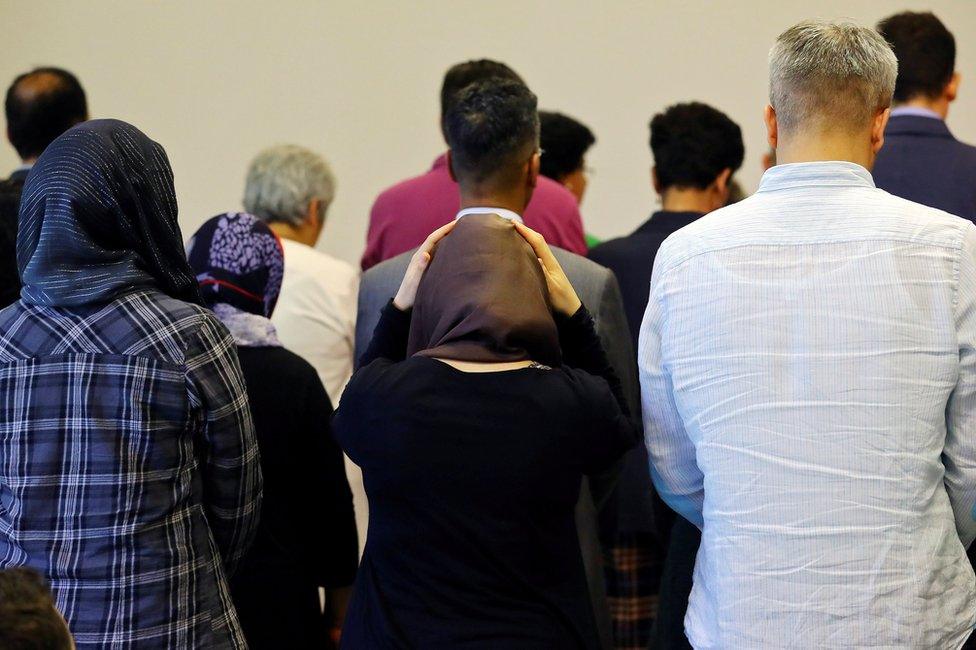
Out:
{"x": 231, "y": 463}
{"x": 959, "y": 453}
{"x": 674, "y": 467}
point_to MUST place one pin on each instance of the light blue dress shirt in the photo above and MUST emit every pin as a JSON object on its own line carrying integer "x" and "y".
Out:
{"x": 808, "y": 373}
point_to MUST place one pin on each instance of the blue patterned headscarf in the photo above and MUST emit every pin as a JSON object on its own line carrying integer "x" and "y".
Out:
{"x": 239, "y": 262}
{"x": 98, "y": 219}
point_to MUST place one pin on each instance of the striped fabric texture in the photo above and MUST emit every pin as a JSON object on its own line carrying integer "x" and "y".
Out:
{"x": 129, "y": 472}
{"x": 808, "y": 372}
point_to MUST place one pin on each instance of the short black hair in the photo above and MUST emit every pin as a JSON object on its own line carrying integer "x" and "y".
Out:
{"x": 41, "y": 105}
{"x": 464, "y": 74}
{"x": 692, "y": 143}
{"x": 28, "y": 619}
{"x": 489, "y": 126}
{"x": 926, "y": 53}
{"x": 565, "y": 142}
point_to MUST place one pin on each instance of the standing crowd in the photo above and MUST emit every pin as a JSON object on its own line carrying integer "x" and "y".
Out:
{"x": 744, "y": 425}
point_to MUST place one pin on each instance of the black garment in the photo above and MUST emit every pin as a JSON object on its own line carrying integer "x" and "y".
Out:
{"x": 922, "y": 162}
{"x": 631, "y": 258}
{"x": 307, "y": 535}
{"x": 676, "y": 582}
{"x": 10, "y": 191}
{"x": 472, "y": 481}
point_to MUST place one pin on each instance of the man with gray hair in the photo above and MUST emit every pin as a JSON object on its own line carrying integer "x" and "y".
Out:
{"x": 808, "y": 376}
{"x": 290, "y": 188}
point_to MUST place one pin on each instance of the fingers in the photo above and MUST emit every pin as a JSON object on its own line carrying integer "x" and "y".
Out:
{"x": 539, "y": 246}
{"x": 436, "y": 236}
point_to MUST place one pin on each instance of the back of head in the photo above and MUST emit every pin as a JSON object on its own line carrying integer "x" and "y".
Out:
{"x": 41, "y": 105}
{"x": 830, "y": 77}
{"x": 28, "y": 618}
{"x": 926, "y": 53}
{"x": 692, "y": 144}
{"x": 98, "y": 218}
{"x": 462, "y": 75}
{"x": 492, "y": 131}
{"x": 484, "y": 298}
{"x": 565, "y": 142}
{"x": 283, "y": 180}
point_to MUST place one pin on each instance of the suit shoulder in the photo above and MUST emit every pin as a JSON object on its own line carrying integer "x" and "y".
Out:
{"x": 385, "y": 272}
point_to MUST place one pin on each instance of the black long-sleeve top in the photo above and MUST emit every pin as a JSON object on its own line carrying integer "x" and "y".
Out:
{"x": 472, "y": 480}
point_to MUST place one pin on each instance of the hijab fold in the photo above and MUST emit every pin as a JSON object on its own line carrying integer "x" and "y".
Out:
{"x": 98, "y": 219}
{"x": 484, "y": 298}
{"x": 239, "y": 264}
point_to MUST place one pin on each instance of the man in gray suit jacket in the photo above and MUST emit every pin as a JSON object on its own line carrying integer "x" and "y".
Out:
{"x": 598, "y": 290}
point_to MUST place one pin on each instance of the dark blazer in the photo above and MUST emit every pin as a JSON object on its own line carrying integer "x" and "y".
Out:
{"x": 922, "y": 162}
{"x": 10, "y": 192}
{"x": 598, "y": 290}
{"x": 631, "y": 259}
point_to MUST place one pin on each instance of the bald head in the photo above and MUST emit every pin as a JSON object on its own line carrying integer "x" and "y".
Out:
{"x": 41, "y": 105}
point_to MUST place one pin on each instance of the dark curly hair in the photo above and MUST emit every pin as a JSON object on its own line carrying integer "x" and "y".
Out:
{"x": 926, "y": 53}
{"x": 565, "y": 142}
{"x": 692, "y": 143}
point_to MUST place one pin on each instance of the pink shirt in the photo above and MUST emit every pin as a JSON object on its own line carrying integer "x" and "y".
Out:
{"x": 406, "y": 213}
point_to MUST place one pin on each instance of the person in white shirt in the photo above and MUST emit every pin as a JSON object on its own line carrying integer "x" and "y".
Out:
{"x": 290, "y": 188}
{"x": 808, "y": 374}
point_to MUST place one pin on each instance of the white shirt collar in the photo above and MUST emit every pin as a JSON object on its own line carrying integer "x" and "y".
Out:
{"x": 501, "y": 212}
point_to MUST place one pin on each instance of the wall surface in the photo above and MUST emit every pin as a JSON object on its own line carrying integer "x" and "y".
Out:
{"x": 214, "y": 82}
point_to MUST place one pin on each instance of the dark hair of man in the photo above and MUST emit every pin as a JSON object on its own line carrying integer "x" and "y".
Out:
{"x": 926, "y": 53}
{"x": 28, "y": 619}
{"x": 692, "y": 143}
{"x": 469, "y": 72}
{"x": 565, "y": 141}
{"x": 41, "y": 105}
{"x": 492, "y": 129}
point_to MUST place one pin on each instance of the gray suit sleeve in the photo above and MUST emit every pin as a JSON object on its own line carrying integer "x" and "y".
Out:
{"x": 378, "y": 286}
{"x": 612, "y": 328}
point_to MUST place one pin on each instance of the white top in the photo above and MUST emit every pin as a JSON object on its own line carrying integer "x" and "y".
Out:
{"x": 808, "y": 374}
{"x": 316, "y": 313}
{"x": 501, "y": 212}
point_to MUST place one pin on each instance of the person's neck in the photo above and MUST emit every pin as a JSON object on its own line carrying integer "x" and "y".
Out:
{"x": 819, "y": 147}
{"x": 288, "y": 231}
{"x": 939, "y": 105}
{"x": 679, "y": 199}
{"x": 494, "y": 200}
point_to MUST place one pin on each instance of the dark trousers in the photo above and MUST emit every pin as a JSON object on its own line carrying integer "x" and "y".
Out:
{"x": 676, "y": 580}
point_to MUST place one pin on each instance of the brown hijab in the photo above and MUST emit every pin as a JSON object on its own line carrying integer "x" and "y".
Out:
{"x": 484, "y": 298}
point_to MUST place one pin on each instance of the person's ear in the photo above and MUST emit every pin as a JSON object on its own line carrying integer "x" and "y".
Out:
{"x": 532, "y": 171}
{"x": 655, "y": 182}
{"x": 878, "y": 128}
{"x": 772, "y": 127}
{"x": 722, "y": 180}
{"x": 314, "y": 216}
{"x": 952, "y": 88}
{"x": 450, "y": 166}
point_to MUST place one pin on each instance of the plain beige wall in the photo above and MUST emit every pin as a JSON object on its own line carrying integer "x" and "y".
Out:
{"x": 214, "y": 82}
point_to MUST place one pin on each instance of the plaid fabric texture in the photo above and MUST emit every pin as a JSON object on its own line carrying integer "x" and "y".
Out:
{"x": 633, "y": 575}
{"x": 129, "y": 471}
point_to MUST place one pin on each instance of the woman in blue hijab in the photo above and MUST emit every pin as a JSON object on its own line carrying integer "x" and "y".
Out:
{"x": 129, "y": 472}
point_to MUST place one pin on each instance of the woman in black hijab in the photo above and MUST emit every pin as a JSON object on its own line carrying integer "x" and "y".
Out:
{"x": 474, "y": 446}
{"x": 129, "y": 473}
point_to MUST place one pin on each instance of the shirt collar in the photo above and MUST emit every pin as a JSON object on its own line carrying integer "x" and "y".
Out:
{"x": 815, "y": 174}
{"x": 501, "y": 212}
{"x": 915, "y": 111}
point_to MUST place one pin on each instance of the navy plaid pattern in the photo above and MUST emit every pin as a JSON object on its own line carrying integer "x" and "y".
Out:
{"x": 129, "y": 471}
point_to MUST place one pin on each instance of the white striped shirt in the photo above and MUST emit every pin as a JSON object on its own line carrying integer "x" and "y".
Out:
{"x": 808, "y": 371}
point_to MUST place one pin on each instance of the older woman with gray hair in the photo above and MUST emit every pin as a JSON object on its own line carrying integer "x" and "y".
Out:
{"x": 808, "y": 371}
{"x": 290, "y": 188}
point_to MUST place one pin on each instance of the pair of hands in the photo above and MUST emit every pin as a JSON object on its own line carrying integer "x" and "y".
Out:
{"x": 561, "y": 293}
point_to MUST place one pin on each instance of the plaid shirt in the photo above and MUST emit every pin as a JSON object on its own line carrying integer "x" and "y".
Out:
{"x": 129, "y": 471}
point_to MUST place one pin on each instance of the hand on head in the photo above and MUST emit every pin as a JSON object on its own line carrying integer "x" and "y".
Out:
{"x": 561, "y": 293}
{"x": 415, "y": 269}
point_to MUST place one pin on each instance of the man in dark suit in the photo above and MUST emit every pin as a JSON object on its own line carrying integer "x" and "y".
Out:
{"x": 41, "y": 105}
{"x": 696, "y": 150}
{"x": 920, "y": 160}
{"x": 598, "y": 290}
